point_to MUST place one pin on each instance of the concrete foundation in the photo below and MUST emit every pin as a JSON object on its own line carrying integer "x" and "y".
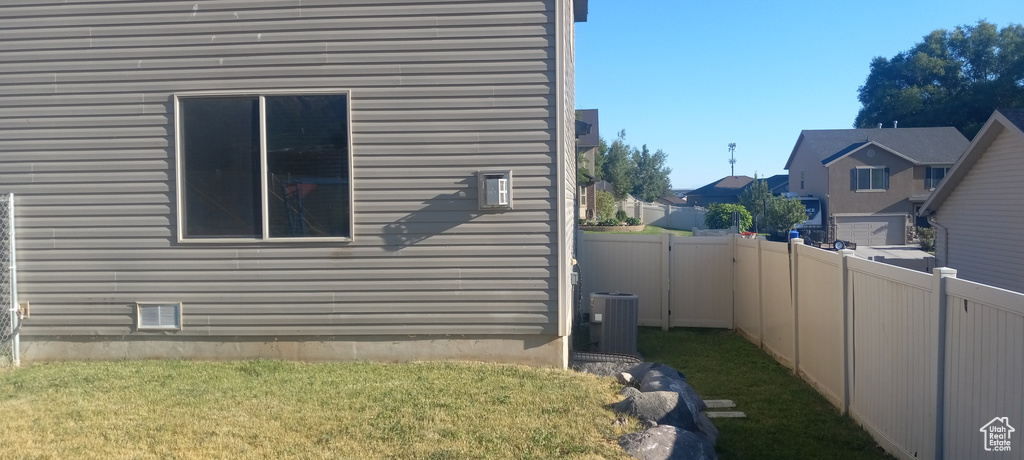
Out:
{"x": 532, "y": 350}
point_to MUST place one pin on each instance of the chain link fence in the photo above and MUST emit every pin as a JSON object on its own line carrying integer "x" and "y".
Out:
{"x": 9, "y": 325}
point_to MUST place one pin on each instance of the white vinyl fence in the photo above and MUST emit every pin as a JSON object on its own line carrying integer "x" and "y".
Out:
{"x": 663, "y": 215}
{"x": 924, "y": 362}
{"x": 674, "y": 217}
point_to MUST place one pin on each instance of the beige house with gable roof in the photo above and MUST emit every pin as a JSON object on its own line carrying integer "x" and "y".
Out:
{"x": 872, "y": 181}
{"x": 978, "y": 210}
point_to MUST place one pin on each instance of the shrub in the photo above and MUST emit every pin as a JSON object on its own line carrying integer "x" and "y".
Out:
{"x": 620, "y": 215}
{"x": 604, "y": 203}
{"x": 719, "y": 215}
{"x": 633, "y": 221}
{"x": 609, "y": 222}
{"x": 927, "y": 238}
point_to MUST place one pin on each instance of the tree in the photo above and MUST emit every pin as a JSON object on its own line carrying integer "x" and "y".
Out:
{"x": 784, "y": 213}
{"x": 650, "y": 179}
{"x": 719, "y": 215}
{"x": 582, "y": 168}
{"x": 600, "y": 157}
{"x": 755, "y": 200}
{"x": 952, "y": 78}
{"x": 604, "y": 205}
{"x": 619, "y": 168}
{"x": 771, "y": 212}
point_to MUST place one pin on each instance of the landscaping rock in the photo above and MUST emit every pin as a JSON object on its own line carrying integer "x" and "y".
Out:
{"x": 625, "y": 378}
{"x": 667, "y": 443}
{"x": 645, "y": 367}
{"x": 706, "y": 428}
{"x": 663, "y": 407}
{"x": 601, "y": 369}
{"x": 629, "y": 392}
{"x": 656, "y": 380}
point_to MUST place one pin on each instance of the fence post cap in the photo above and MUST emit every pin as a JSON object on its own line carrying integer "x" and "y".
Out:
{"x": 945, "y": 272}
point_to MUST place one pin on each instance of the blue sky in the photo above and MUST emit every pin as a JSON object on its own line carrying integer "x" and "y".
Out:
{"x": 690, "y": 77}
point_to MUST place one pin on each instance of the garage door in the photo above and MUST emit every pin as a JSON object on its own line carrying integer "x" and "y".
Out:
{"x": 872, "y": 230}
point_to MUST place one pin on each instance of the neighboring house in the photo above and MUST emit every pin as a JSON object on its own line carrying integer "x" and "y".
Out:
{"x": 871, "y": 181}
{"x": 978, "y": 210}
{"x": 729, "y": 189}
{"x": 671, "y": 199}
{"x": 725, "y": 190}
{"x": 681, "y": 193}
{"x": 588, "y": 140}
{"x": 298, "y": 180}
{"x": 778, "y": 184}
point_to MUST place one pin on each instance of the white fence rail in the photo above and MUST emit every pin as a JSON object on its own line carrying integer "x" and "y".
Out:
{"x": 922, "y": 361}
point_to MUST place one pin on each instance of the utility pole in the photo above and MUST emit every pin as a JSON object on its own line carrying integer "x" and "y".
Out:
{"x": 732, "y": 159}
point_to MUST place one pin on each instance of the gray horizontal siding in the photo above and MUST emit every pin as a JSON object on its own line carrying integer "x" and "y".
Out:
{"x": 439, "y": 90}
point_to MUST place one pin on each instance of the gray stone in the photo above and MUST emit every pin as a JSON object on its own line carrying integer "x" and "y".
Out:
{"x": 705, "y": 427}
{"x": 663, "y": 407}
{"x": 648, "y": 424}
{"x": 629, "y": 392}
{"x": 625, "y": 378}
{"x": 655, "y": 380}
{"x": 645, "y": 367}
{"x": 602, "y": 369}
{"x": 667, "y": 443}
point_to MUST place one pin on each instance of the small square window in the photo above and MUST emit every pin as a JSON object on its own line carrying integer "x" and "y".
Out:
{"x": 158, "y": 316}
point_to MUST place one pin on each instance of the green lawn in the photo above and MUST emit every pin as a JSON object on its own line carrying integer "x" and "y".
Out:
{"x": 651, "y": 230}
{"x": 273, "y": 409}
{"x": 786, "y": 418}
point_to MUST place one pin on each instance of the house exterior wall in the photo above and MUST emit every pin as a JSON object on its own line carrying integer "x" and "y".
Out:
{"x": 438, "y": 91}
{"x": 843, "y": 198}
{"x": 815, "y": 175}
{"x": 586, "y": 202}
{"x": 981, "y": 217}
{"x": 567, "y": 173}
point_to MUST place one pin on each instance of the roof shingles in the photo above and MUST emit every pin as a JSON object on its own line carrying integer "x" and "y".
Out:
{"x": 923, "y": 145}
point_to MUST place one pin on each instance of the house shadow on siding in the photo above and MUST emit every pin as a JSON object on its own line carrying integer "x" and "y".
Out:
{"x": 441, "y": 214}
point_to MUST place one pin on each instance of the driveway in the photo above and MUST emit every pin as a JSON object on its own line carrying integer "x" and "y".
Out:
{"x": 907, "y": 256}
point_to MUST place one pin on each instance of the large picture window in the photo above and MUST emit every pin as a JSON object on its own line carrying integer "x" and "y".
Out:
{"x": 873, "y": 178}
{"x": 267, "y": 166}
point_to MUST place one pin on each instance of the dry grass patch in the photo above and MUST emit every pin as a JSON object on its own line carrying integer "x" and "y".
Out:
{"x": 273, "y": 409}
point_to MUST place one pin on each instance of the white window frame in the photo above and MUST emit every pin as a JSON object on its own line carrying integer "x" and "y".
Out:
{"x": 159, "y": 307}
{"x": 929, "y": 182}
{"x": 885, "y": 186}
{"x": 264, "y": 192}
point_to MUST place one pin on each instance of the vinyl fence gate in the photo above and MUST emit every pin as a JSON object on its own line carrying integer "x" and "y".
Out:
{"x": 9, "y": 314}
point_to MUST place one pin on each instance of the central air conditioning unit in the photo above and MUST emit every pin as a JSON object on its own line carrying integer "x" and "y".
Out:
{"x": 613, "y": 322}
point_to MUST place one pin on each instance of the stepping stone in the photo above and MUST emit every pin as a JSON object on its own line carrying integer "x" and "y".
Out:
{"x": 719, "y": 403}
{"x": 725, "y": 414}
